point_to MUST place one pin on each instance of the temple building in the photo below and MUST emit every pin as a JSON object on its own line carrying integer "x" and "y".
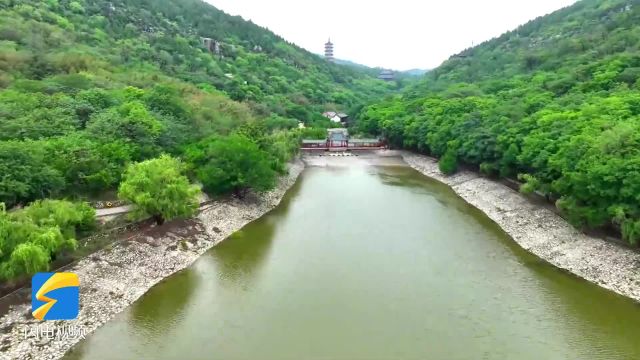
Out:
{"x": 387, "y": 75}
{"x": 328, "y": 51}
{"x": 338, "y": 139}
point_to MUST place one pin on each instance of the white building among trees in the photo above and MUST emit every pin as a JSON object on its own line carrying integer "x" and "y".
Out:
{"x": 336, "y": 117}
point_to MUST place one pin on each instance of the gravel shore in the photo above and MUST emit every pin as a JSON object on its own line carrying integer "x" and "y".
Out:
{"x": 541, "y": 231}
{"x": 113, "y": 278}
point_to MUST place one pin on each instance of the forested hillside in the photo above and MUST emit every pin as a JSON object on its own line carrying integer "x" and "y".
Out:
{"x": 126, "y": 80}
{"x": 555, "y": 102}
{"x": 145, "y": 96}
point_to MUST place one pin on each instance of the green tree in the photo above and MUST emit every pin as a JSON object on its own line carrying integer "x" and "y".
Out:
{"x": 231, "y": 164}
{"x": 26, "y": 173}
{"x": 70, "y": 218}
{"x": 32, "y": 237}
{"x": 89, "y": 166}
{"x": 448, "y": 163}
{"x": 131, "y": 122}
{"x": 158, "y": 188}
{"x": 25, "y": 259}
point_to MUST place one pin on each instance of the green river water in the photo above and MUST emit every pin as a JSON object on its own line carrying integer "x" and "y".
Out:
{"x": 370, "y": 262}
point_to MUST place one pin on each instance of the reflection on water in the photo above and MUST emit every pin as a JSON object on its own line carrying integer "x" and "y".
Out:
{"x": 164, "y": 311}
{"x": 238, "y": 264}
{"x": 370, "y": 262}
{"x": 405, "y": 177}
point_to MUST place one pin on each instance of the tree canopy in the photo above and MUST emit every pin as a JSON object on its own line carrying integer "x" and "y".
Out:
{"x": 556, "y": 101}
{"x": 88, "y": 86}
{"x": 231, "y": 164}
{"x": 159, "y": 188}
{"x": 32, "y": 237}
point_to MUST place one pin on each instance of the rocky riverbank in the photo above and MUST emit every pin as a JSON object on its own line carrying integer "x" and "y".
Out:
{"x": 541, "y": 231}
{"x": 113, "y": 278}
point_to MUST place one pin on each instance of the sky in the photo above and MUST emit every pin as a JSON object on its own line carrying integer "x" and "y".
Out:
{"x": 398, "y": 34}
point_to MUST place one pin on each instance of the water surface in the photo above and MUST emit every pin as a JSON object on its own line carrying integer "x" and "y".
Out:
{"x": 369, "y": 262}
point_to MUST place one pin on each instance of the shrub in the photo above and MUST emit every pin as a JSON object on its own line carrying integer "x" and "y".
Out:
{"x": 448, "y": 163}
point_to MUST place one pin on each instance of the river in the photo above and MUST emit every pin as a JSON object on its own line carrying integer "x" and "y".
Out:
{"x": 370, "y": 262}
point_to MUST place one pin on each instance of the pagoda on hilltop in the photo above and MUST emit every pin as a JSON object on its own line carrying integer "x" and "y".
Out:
{"x": 328, "y": 51}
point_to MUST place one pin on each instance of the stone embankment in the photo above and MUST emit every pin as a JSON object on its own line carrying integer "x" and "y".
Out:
{"x": 113, "y": 278}
{"x": 541, "y": 231}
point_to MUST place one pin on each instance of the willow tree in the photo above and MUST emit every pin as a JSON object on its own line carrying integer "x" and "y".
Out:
{"x": 158, "y": 188}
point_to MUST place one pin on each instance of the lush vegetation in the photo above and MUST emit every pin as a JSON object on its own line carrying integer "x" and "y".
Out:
{"x": 90, "y": 87}
{"x": 555, "y": 102}
{"x": 158, "y": 187}
{"x": 32, "y": 237}
{"x": 232, "y": 164}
